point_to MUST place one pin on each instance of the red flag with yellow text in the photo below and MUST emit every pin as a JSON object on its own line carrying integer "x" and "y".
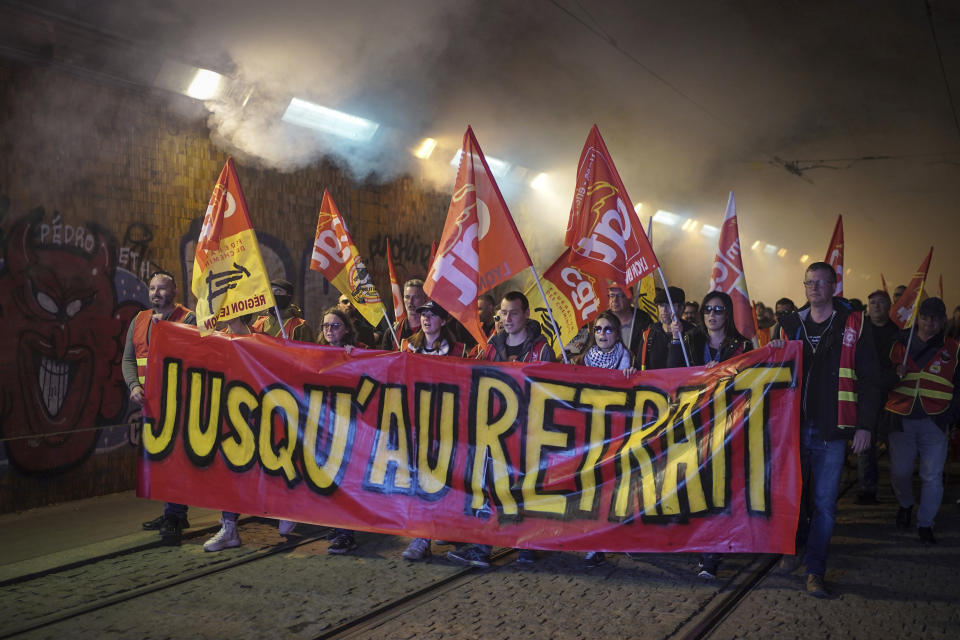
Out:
{"x": 336, "y": 257}
{"x": 835, "y": 254}
{"x": 904, "y": 310}
{"x": 728, "y": 276}
{"x": 603, "y": 226}
{"x": 480, "y": 246}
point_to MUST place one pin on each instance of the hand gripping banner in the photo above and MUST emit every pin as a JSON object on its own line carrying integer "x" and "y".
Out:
{"x": 537, "y": 456}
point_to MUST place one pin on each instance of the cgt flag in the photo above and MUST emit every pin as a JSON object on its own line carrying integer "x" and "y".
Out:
{"x": 574, "y": 295}
{"x": 229, "y": 279}
{"x": 835, "y": 254}
{"x": 728, "y": 273}
{"x": 336, "y": 257}
{"x": 399, "y": 310}
{"x": 904, "y": 310}
{"x": 480, "y": 247}
{"x": 603, "y": 226}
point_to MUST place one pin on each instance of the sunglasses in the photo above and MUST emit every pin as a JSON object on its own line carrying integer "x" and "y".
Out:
{"x": 332, "y": 326}
{"x": 717, "y": 308}
{"x": 604, "y": 330}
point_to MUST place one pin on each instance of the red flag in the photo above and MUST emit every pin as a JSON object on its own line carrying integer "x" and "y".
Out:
{"x": 399, "y": 310}
{"x": 883, "y": 281}
{"x": 904, "y": 310}
{"x": 835, "y": 254}
{"x": 728, "y": 273}
{"x": 480, "y": 246}
{"x": 603, "y": 225}
{"x": 336, "y": 257}
{"x": 940, "y": 287}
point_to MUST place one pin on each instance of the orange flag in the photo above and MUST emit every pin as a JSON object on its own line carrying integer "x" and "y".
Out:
{"x": 835, "y": 254}
{"x": 883, "y": 281}
{"x": 904, "y": 310}
{"x": 603, "y": 226}
{"x": 399, "y": 310}
{"x": 728, "y": 273}
{"x": 480, "y": 246}
{"x": 336, "y": 257}
{"x": 229, "y": 278}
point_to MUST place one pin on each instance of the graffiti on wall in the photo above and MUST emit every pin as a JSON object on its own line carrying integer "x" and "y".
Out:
{"x": 65, "y": 305}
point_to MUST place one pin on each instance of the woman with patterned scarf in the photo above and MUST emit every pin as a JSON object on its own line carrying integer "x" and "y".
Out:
{"x": 606, "y": 351}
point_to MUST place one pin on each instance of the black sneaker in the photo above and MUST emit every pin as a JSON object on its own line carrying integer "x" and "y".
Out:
{"x": 594, "y": 558}
{"x": 470, "y": 555}
{"x": 817, "y": 589}
{"x": 342, "y": 543}
{"x": 171, "y": 529}
{"x": 904, "y": 517}
{"x": 707, "y": 569}
{"x": 926, "y": 535}
{"x": 154, "y": 525}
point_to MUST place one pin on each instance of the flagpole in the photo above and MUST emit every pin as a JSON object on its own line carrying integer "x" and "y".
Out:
{"x": 396, "y": 340}
{"x": 672, "y": 311}
{"x": 556, "y": 329}
{"x": 283, "y": 330}
{"x": 913, "y": 321}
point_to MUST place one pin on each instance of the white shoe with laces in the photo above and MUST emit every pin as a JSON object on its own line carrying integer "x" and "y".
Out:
{"x": 227, "y": 537}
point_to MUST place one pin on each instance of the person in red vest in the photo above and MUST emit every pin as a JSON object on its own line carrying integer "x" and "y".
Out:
{"x": 521, "y": 340}
{"x": 433, "y": 339}
{"x": 162, "y": 293}
{"x": 841, "y": 398}
{"x": 293, "y": 323}
{"x": 921, "y": 407}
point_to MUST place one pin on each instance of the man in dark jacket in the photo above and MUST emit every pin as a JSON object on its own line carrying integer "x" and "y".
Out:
{"x": 840, "y": 401}
{"x": 657, "y": 337}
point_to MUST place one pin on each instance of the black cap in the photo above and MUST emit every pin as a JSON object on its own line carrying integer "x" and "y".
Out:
{"x": 280, "y": 283}
{"x": 676, "y": 293}
{"x": 933, "y": 308}
{"x": 433, "y": 308}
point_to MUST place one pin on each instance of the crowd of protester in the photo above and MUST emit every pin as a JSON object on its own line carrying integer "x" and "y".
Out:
{"x": 867, "y": 385}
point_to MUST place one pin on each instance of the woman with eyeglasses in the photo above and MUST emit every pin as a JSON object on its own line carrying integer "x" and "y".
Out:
{"x": 337, "y": 331}
{"x": 605, "y": 349}
{"x": 712, "y": 341}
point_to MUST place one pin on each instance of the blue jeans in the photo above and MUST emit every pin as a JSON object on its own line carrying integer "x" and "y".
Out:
{"x": 923, "y": 439}
{"x": 821, "y": 463}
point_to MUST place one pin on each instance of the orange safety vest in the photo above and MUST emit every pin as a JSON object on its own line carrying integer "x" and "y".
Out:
{"x": 141, "y": 335}
{"x": 292, "y": 323}
{"x": 933, "y": 384}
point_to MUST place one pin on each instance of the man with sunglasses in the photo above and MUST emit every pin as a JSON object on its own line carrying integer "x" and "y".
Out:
{"x": 162, "y": 293}
{"x": 840, "y": 402}
{"x": 655, "y": 347}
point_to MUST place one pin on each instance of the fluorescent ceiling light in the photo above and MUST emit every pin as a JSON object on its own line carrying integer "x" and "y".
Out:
{"x": 756, "y": 245}
{"x": 709, "y": 231}
{"x": 320, "y": 118}
{"x": 782, "y": 252}
{"x": 540, "y": 182}
{"x": 804, "y": 258}
{"x": 667, "y": 218}
{"x": 770, "y": 249}
{"x": 690, "y": 225}
{"x": 497, "y": 166}
{"x": 637, "y": 207}
{"x": 205, "y": 84}
{"x": 425, "y": 149}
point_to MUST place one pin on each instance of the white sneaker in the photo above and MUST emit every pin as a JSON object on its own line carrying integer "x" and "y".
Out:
{"x": 419, "y": 549}
{"x": 285, "y": 527}
{"x": 227, "y": 537}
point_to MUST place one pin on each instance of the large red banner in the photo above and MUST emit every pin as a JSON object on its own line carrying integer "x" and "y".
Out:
{"x": 542, "y": 456}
